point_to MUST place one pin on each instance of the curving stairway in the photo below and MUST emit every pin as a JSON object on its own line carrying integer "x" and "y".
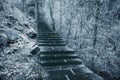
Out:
{"x": 58, "y": 61}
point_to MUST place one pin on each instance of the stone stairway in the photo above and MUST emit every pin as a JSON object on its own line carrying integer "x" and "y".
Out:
{"x": 57, "y": 60}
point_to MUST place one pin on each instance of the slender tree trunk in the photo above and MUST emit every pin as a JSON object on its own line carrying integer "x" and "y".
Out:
{"x": 1, "y": 6}
{"x": 41, "y": 14}
{"x": 95, "y": 35}
{"x": 51, "y": 14}
{"x": 96, "y": 24}
{"x": 72, "y": 15}
{"x": 69, "y": 31}
{"x": 37, "y": 11}
{"x": 61, "y": 16}
{"x": 23, "y": 5}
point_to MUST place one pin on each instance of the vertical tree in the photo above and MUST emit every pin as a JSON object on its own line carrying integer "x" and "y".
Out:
{"x": 96, "y": 22}
{"x": 61, "y": 14}
{"x": 51, "y": 14}
{"x": 40, "y": 10}
{"x": 37, "y": 11}
{"x": 23, "y": 5}
{"x": 72, "y": 16}
{"x": 1, "y": 5}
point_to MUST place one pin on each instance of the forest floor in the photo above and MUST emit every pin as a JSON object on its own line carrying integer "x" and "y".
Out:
{"x": 16, "y": 60}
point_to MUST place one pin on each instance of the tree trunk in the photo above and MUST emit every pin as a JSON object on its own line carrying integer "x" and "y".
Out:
{"x": 61, "y": 16}
{"x": 23, "y": 5}
{"x": 41, "y": 14}
{"x": 1, "y": 6}
{"x": 51, "y": 15}
{"x": 37, "y": 11}
{"x": 95, "y": 35}
{"x": 72, "y": 16}
{"x": 70, "y": 27}
{"x": 96, "y": 24}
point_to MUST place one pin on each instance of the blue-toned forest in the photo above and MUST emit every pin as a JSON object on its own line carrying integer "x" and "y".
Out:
{"x": 59, "y": 40}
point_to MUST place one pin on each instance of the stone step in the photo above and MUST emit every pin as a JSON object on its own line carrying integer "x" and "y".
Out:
{"x": 75, "y": 77}
{"x": 63, "y": 67}
{"x": 57, "y": 52}
{"x": 54, "y": 48}
{"x": 61, "y": 62}
{"x": 55, "y": 73}
{"x": 52, "y": 44}
{"x": 67, "y": 77}
{"x": 58, "y": 57}
{"x": 49, "y": 37}
{"x": 64, "y": 75}
{"x": 56, "y": 78}
{"x": 47, "y": 33}
{"x": 51, "y": 41}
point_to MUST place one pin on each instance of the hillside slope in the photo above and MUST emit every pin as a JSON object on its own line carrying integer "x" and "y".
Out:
{"x": 16, "y": 60}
